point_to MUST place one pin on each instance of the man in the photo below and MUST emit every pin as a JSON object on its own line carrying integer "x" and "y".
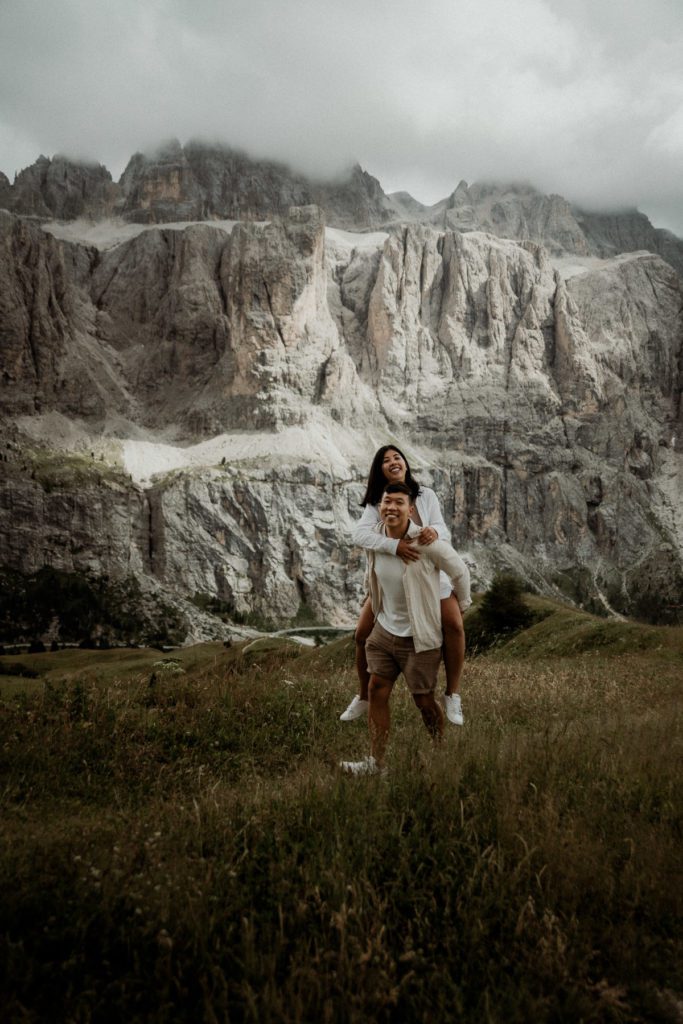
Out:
{"x": 407, "y": 634}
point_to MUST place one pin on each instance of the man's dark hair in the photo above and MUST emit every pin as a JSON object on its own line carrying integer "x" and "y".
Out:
{"x": 377, "y": 480}
{"x": 399, "y": 488}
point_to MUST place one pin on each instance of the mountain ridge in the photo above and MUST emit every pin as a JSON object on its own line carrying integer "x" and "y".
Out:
{"x": 199, "y": 181}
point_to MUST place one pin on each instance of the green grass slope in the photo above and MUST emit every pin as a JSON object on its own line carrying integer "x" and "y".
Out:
{"x": 178, "y": 843}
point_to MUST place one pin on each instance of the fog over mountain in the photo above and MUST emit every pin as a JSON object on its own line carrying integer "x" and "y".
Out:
{"x": 578, "y": 99}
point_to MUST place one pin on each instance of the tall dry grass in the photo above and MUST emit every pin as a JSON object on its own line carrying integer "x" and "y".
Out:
{"x": 185, "y": 849}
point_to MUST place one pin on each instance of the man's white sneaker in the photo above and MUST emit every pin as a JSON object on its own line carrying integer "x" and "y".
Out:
{"x": 368, "y": 766}
{"x": 356, "y": 709}
{"x": 453, "y": 707}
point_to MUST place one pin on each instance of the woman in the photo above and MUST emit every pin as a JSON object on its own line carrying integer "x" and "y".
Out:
{"x": 391, "y": 466}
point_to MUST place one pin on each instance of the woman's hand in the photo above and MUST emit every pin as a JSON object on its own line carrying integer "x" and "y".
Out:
{"x": 407, "y": 552}
{"x": 427, "y": 535}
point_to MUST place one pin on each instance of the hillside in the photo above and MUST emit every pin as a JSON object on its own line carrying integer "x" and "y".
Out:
{"x": 176, "y": 833}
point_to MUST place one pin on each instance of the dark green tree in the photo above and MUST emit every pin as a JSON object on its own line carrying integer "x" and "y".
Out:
{"x": 503, "y": 608}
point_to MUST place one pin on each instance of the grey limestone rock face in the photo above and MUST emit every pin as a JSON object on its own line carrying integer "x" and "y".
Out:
{"x": 63, "y": 189}
{"x": 356, "y": 202}
{"x": 64, "y": 513}
{"x": 451, "y": 313}
{"x": 267, "y": 541}
{"x": 221, "y": 330}
{"x": 158, "y": 305}
{"x": 5, "y": 192}
{"x": 51, "y": 356}
{"x": 517, "y": 212}
{"x": 546, "y": 412}
{"x": 521, "y": 212}
{"x": 562, "y": 394}
{"x": 281, "y": 332}
{"x": 200, "y": 181}
{"x": 160, "y": 189}
{"x": 629, "y": 231}
{"x": 238, "y": 188}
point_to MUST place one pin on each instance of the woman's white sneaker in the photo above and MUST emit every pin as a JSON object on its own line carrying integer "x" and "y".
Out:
{"x": 453, "y": 706}
{"x": 356, "y": 709}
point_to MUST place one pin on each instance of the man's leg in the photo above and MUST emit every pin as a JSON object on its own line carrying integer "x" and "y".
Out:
{"x": 379, "y": 716}
{"x": 421, "y": 671}
{"x": 432, "y": 714}
{"x": 384, "y": 670}
{"x": 453, "y": 643}
{"x": 363, "y": 630}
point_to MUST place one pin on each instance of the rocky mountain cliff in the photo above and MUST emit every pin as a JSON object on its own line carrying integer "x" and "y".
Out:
{"x": 199, "y": 181}
{"x": 195, "y": 408}
{"x": 194, "y": 182}
{"x": 521, "y": 212}
{"x": 62, "y": 189}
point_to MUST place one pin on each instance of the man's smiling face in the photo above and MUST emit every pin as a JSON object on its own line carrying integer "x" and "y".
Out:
{"x": 395, "y": 511}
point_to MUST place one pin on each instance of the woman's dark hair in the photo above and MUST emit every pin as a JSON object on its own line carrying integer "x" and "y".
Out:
{"x": 377, "y": 480}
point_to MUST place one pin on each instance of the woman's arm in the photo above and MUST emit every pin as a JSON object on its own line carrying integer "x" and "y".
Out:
{"x": 432, "y": 518}
{"x": 364, "y": 534}
{"x": 449, "y": 561}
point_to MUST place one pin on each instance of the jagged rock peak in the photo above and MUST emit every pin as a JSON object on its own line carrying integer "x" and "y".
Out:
{"x": 461, "y": 193}
{"x": 64, "y": 189}
{"x": 212, "y": 181}
{"x": 5, "y": 192}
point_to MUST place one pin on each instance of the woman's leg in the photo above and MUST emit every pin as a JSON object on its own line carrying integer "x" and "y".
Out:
{"x": 366, "y": 621}
{"x": 359, "y": 705}
{"x": 432, "y": 715}
{"x": 453, "y": 643}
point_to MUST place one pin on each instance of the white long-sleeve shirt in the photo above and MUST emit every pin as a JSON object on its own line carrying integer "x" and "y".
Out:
{"x": 365, "y": 534}
{"x": 421, "y": 588}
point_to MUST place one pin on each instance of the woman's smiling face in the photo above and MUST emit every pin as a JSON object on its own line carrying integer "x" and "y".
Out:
{"x": 394, "y": 466}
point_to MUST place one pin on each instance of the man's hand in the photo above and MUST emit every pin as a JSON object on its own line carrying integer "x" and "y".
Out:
{"x": 427, "y": 535}
{"x": 407, "y": 552}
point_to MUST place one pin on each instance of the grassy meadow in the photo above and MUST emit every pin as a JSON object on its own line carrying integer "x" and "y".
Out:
{"x": 178, "y": 843}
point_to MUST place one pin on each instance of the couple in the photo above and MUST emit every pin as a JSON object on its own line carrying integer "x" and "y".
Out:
{"x": 411, "y": 611}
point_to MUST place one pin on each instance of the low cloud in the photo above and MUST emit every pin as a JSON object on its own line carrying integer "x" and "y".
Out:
{"x": 565, "y": 95}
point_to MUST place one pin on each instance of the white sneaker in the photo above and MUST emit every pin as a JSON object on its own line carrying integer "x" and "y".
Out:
{"x": 453, "y": 706}
{"x": 368, "y": 766}
{"x": 356, "y": 709}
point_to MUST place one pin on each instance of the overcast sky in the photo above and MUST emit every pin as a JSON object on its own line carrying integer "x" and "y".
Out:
{"x": 580, "y": 97}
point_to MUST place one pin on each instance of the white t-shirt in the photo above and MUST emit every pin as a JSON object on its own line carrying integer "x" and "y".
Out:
{"x": 394, "y": 613}
{"x": 428, "y": 513}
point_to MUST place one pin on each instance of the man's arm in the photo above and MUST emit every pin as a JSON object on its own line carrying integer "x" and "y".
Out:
{"x": 449, "y": 561}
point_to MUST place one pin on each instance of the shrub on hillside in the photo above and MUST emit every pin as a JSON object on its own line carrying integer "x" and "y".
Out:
{"x": 501, "y": 613}
{"x": 503, "y": 608}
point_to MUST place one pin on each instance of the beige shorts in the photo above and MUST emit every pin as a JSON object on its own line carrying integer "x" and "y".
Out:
{"x": 389, "y": 655}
